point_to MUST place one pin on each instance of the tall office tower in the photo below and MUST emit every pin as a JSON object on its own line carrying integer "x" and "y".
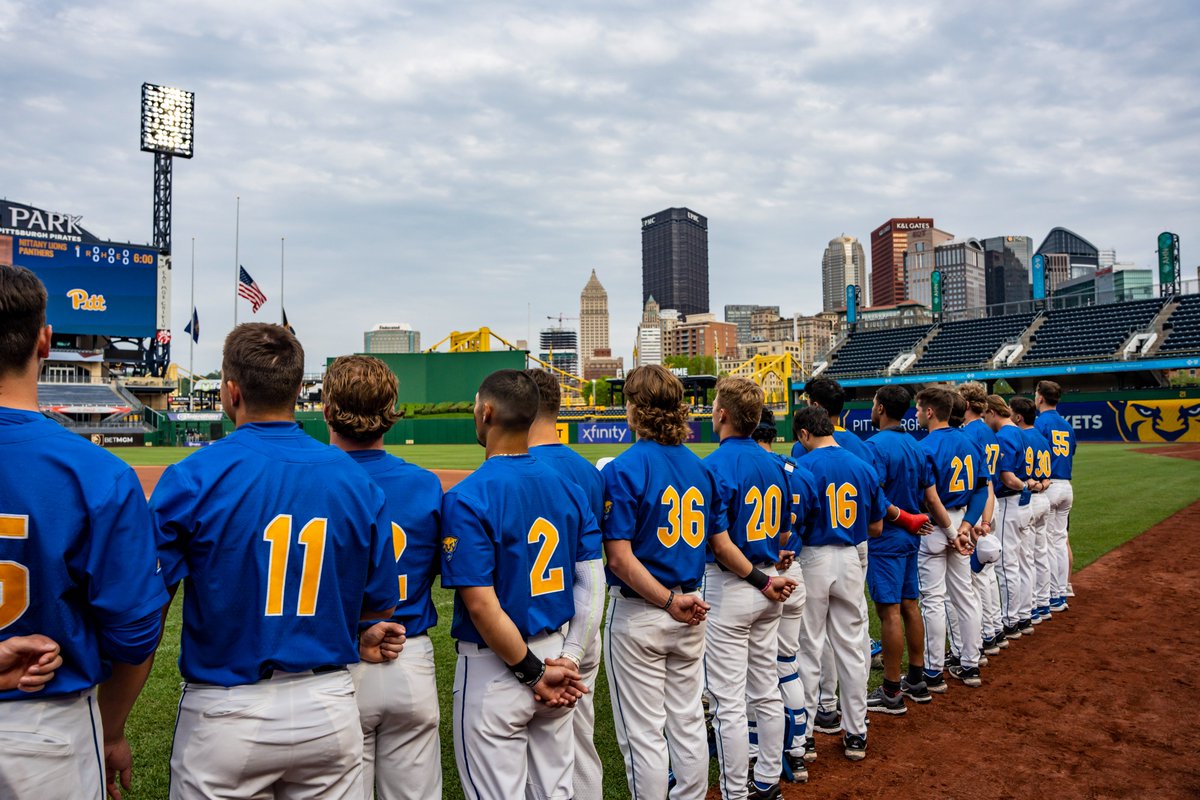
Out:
{"x": 1006, "y": 264}
{"x": 675, "y": 260}
{"x": 560, "y": 348}
{"x": 888, "y": 243}
{"x": 593, "y": 321}
{"x": 650, "y": 335}
{"x": 964, "y": 286}
{"x": 842, "y": 265}
{"x": 392, "y": 337}
{"x": 1068, "y": 256}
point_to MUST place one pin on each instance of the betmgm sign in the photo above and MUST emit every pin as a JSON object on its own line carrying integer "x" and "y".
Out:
{"x": 94, "y": 287}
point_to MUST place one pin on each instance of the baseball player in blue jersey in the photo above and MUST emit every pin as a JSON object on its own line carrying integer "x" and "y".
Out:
{"x": 849, "y": 506}
{"x": 582, "y": 645}
{"x": 959, "y": 474}
{"x": 659, "y": 509}
{"x": 892, "y": 565}
{"x": 743, "y": 622}
{"x": 283, "y": 544}
{"x": 1035, "y": 581}
{"x": 397, "y": 699}
{"x": 828, "y": 394}
{"x": 984, "y": 579}
{"x": 1061, "y": 436}
{"x": 791, "y": 690}
{"x": 515, "y": 535}
{"x": 77, "y": 575}
{"x": 1012, "y": 509}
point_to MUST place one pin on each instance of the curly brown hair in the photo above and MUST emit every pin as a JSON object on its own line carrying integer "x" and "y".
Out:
{"x": 360, "y": 397}
{"x": 656, "y": 408}
{"x": 975, "y": 393}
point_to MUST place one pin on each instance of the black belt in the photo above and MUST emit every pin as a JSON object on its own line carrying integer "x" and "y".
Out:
{"x": 321, "y": 670}
{"x": 632, "y": 595}
{"x": 1007, "y": 492}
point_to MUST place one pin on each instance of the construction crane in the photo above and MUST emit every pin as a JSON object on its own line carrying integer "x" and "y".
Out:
{"x": 560, "y": 317}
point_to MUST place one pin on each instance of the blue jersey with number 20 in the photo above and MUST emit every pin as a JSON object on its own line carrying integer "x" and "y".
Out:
{"x": 756, "y": 497}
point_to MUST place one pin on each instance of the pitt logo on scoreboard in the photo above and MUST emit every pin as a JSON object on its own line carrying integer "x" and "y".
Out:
{"x": 82, "y": 300}
{"x": 1158, "y": 420}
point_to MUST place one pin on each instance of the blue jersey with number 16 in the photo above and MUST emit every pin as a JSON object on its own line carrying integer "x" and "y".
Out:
{"x": 848, "y": 498}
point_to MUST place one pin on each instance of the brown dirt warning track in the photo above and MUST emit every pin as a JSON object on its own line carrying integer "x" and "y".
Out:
{"x": 1099, "y": 703}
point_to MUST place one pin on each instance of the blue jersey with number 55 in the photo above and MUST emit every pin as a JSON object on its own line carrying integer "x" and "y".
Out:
{"x": 1061, "y": 436}
{"x": 661, "y": 499}
{"x": 282, "y": 543}
{"x": 518, "y": 526}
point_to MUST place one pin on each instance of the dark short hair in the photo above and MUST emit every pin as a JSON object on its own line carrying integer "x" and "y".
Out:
{"x": 514, "y": 398}
{"x": 1050, "y": 391}
{"x": 549, "y": 392}
{"x": 1025, "y": 407}
{"x": 22, "y": 317}
{"x": 814, "y": 420}
{"x": 266, "y": 361}
{"x": 939, "y": 400}
{"x": 896, "y": 400}
{"x": 827, "y": 393}
{"x": 958, "y": 410}
{"x": 766, "y": 430}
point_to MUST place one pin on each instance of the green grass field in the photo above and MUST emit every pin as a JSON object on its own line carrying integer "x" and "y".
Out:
{"x": 1119, "y": 492}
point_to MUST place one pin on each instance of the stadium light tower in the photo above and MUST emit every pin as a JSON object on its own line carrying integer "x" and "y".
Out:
{"x": 167, "y": 117}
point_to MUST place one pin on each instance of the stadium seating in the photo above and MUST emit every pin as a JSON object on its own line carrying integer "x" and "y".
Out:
{"x": 970, "y": 343}
{"x": 1184, "y": 336}
{"x": 870, "y": 352}
{"x": 81, "y": 398}
{"x": 1089, "y": 332}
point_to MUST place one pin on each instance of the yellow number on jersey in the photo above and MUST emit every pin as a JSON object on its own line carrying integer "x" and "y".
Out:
{"x": 685, "y": 517}
{"x": 961, "y": 465}
{"x": 764, "y": 519}
{"x": 14, "y": 577}
{"x": 543, "y": 580}
{"x": 1060, "y": 443}
{"x": 278, "y": 535}
{"x": 993, "y": 457}
{"x": 1044, "y": 464}
{"x": 1030, "y": 462}
{"x": 399, "y": 544}
{"x": 843, "y": 505}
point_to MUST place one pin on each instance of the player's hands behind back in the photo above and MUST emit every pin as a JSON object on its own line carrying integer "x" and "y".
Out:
{"x": 381, "y": 642}
{"x": 561, "y": 684}
{"x": 28, "y": 662}
{"x": 779, "y": 589}
{"x": 688, "y": 609}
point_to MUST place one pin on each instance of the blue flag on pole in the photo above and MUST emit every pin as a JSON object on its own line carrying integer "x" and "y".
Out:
{"x": 193, "y": 327}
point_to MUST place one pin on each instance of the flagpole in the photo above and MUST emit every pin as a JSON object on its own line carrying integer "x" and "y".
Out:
{"x": 282, "y": 312}
{"x": 192, "y": 338}
{"x": 237, "y": 231}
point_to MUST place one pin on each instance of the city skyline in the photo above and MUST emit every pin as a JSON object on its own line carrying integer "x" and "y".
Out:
{"x": 452, "y": 170}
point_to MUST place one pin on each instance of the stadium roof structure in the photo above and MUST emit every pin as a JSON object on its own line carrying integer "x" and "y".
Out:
{"x": 1061, "y": 240}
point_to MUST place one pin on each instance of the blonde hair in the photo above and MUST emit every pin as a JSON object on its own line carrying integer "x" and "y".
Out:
{"x": 656, "y": 408}
{"x": 742, "y": 399}
{"x": 997, "y": 405}
{"x": 360, "y": 397}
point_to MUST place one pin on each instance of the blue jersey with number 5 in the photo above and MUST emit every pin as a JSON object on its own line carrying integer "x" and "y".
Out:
{"x": 282, "y": 543}
{"x": 518, "y": 526}
{"x": 661, "y": 499}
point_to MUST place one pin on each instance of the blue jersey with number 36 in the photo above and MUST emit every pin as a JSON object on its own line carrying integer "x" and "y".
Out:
{"x": 661, "y": 499}
{"x": 281, "y": 542}
{"x": 518, "y": 526}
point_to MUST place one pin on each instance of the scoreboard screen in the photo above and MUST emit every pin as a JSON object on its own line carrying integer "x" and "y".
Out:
{"x": 94, "y": 288}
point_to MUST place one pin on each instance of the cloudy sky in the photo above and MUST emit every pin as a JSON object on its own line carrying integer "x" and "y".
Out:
{"x": 454, "y": 165}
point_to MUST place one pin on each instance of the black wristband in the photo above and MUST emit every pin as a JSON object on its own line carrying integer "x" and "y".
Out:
{"x": 757, "y": 578}
{"x": 670, "y": 601}
{"x": 528, "y": 670}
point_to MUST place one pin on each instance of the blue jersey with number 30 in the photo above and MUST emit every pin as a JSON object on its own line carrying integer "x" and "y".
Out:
{"x": 518, "y": 526}
{"x": 414, "y": 511}
{"x": 76, "y": 552}
{"x": 848, "y": 498}
{"x": 282, "y": 542}
{"x": 661, "y": 499}
{"x": 756, "y": 498}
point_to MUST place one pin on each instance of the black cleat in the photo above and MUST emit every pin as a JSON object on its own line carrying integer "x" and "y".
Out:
{"x": 855, "y": 747}
{"x": 797, "y": 766}
{"x": 829, "y": 722}
{"x": 968, "y": 675}
{"x": 879, "y": 700}
{"x": 917, "y": 692}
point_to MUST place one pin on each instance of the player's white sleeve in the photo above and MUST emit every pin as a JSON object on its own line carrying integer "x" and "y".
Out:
{"x": 589, "y": 607}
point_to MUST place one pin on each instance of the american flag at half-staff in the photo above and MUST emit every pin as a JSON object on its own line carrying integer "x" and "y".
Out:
{"x": 248, "y": 289}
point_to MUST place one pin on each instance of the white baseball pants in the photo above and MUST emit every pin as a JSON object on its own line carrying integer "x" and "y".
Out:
{"x": 589, "y": 772}
{"x": 1043, "y": 567}
{"x": 985, "y": 585}
{"x": 827, "y": 699}
{"x": 1010, "y": 527}
{"x": 398, "y": 711}
{"x": 791, "y": 688}
{"x": 835, "y": 610}
{"x": 52, "y": 748}
{"x": 655, "y": 681}
{"x": 739, "y": 671}
{"x": 508, "y": 745}
{"x": 1061, "y": 497}
{"x": 946, "y": 573}
{"x": 1034, "y": 521}
{"x": 295, "y": 736}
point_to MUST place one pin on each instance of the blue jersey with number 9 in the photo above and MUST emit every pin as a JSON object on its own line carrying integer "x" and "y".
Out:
{"x": 661, "y": 499}
{"x": 517, "y": 525}
{"x": 282, "y": 543}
